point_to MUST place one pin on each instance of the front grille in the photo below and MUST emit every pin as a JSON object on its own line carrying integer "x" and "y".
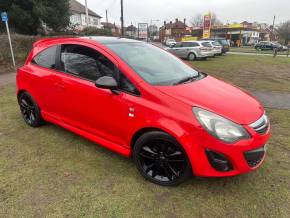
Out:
{"x": 254, "y": 157}
{"x": 261, "y": 125}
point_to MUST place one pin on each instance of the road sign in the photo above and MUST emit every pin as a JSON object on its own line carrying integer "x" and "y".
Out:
{"x": 206, "y": 26}
{"x": 4, "y": 16}
{"x": 142, "y": 30}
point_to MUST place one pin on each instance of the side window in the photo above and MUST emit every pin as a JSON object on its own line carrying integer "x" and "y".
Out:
{"x": 85, "y": 62}
{"x": 178, "y": 45}
{"x": 46, "y": 58}
{"x": 189, "y": 44}
{"x": 126, "y": 85}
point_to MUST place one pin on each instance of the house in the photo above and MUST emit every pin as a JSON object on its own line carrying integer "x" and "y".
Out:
{"x": 175, "y": 30}
{"x": 78, "y": 16}
{"x": 131, "y": 31}
{"x": 112, "y": 27}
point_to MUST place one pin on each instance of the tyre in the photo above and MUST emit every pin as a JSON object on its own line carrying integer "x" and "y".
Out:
{"x": 191, "y": 57}
{"x": 30, "y": 110}
{"x": 161, "y": 159}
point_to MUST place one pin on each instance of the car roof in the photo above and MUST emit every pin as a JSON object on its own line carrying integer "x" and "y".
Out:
{"x": 110, "y": 40}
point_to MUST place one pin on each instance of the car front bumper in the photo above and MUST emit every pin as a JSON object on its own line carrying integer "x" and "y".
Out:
{"x": 211, "y": 157}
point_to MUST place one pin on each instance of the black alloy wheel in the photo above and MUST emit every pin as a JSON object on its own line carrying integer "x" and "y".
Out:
{"x": 160, "y": 159}
{"x": 29, "y": 110}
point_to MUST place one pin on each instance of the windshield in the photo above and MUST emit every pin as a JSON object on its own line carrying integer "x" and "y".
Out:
{"x": 153, "y": 64}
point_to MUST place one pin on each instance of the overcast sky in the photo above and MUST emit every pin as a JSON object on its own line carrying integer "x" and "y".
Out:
{"x": 136, "y": 11}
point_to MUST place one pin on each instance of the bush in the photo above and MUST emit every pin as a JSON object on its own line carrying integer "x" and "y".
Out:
{"x": 92, "y": 31}
{"x": 21, "y": 46}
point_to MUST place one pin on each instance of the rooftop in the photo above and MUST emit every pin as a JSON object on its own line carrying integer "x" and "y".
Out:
{"x": 79, "y": 8}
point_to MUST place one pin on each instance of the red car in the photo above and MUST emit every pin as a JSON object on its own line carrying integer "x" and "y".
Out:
{"x": 139, "y": 100}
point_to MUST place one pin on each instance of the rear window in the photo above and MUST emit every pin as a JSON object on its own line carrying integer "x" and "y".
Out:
{"x": 46, "y": 58}
{"x": 223, "y": 42}
{"x": 206, "y": 44}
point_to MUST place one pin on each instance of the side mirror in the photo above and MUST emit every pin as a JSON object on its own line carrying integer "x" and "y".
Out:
{"x": 106, "y": 82}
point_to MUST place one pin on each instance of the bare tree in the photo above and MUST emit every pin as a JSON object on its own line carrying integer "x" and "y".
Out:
{"x": 284, "y": 31}
{"x": 214, "y": 20}
{"x": 197, "y": 20}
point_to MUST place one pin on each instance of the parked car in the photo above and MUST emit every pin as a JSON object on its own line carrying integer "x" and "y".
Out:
{"x": 217, "y": 47}
{"x": 192, "y": 50}
{"x": 170, "y": 42}
{"x": 141, "y": 101}
{"x": 266, "y": 45}
{"x": 221, "y": 41}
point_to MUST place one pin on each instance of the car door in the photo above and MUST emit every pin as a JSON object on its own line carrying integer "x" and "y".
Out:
{"x": 177, "y": 49}
{"x": 43, "y": 68}
{"x": 84, "y": 106}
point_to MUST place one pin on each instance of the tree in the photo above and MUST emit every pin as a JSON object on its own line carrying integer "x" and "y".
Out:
{"x": 284, "y": 31}
{"x": 214, "y": 20}
{"x": 197, "y": 20}
{"x": 28, "y": 16}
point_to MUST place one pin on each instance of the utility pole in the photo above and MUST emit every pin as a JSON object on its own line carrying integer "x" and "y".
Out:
{"x": 106, "y": 18}
{"x": 87, "y": 13}
{"x": 122, "y": 20}
{"x": 274, "y": 22}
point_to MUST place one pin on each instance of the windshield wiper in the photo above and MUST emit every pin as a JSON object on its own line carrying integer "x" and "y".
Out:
{"x": 186, "y": 80}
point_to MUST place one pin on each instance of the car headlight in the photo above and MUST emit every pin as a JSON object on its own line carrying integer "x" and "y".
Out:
{"x": 221, "y": 128}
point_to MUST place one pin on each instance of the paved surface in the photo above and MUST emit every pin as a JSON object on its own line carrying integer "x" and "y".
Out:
{"x": 269, "y": 99}
{"x": 274, "y": 99}
{"x": 7, "y": 78}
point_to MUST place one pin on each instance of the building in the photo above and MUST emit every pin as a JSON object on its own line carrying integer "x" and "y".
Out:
{"x": 238, "y": 34}
{"x": 78, "y": 16}
{"x": 175, "y": 30}
{"x": 112, "y": 27}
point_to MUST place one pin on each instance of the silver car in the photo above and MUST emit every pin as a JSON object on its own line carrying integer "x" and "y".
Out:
{"x": 217, "y": 47}
{"x": 192, "y": 50}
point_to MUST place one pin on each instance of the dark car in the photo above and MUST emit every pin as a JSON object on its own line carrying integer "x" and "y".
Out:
{"x": 223, "y": 42}
{"x": 265, "y": 45}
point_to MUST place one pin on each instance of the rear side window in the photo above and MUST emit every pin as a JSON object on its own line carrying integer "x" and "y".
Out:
{"x": 206, "y": 44}
{"x": 46, "y": 58}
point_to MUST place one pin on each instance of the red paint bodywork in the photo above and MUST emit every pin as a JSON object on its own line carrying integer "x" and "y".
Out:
{"x": 102, "y": 116}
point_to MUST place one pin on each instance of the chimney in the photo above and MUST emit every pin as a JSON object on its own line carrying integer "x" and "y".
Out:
{"x": 184, "y": 21}
{"x": 176, "y": 20}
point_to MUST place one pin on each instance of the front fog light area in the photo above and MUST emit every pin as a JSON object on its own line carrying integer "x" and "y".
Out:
{"x": 221, "y": 128}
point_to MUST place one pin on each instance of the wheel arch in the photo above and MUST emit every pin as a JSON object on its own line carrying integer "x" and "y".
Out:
{"x": 141, "y": 132}
{"x": 19, "y": 92}
{"x": 192, "y": 52}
